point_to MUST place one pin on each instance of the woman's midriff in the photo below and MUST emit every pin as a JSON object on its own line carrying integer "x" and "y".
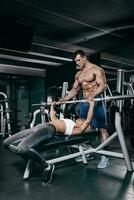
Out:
{"x": 59, "y": 125}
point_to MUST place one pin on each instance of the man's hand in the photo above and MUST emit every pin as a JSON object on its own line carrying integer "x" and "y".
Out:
{"x": 62, "y": 100}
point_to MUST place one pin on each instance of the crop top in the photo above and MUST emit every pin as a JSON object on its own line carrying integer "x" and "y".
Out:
{"x": 69, "y": 126}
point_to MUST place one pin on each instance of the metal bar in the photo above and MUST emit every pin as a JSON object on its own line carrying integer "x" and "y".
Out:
{"x": 27, "y": 170}
{"x": 7, "y": 113}
{"x": 120, "y": 97}
{"x": 8, "y": 117}
{"x": 36, "y": 112}
{"x": 120, "y": 88}
{"x": 91, "y": 150}
{"x": 63, "y": 158}
{"x": 64, "y": 93}
{"x": 2, "y": 132}
{"x": 106, "y": 142}
{"x": 122, "y": 141}
{"x": 104, "y": 152}
{"x": 84, "y": 159}
{"x": 20, "y": 70}
{"x": 29, "y": 60}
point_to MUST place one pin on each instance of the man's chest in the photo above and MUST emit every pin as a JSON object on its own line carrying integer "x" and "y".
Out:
{"x": 86, "y": 76}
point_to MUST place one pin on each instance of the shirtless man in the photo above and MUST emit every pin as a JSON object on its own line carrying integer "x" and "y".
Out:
{"x": 29, "y": 140}
{"x": 91, "y": 78}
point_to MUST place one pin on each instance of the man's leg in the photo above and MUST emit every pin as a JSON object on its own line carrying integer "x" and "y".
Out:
{"x": 100, "y": 122}
{"x": 84, "y": 107}
{"x": 104, "y": 160}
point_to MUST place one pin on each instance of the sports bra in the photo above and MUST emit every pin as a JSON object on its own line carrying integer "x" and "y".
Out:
{"x": 69, "y": 126}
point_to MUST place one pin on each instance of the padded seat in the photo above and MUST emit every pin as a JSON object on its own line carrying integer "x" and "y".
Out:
{"x": 60, "y": 141}
{"x": 63, "y": 141}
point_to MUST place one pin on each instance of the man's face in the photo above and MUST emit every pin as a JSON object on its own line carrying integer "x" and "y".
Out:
{"x": 80, "y": 61}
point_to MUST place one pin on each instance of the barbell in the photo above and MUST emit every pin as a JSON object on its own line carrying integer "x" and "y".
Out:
{"x": 108, "y": 98}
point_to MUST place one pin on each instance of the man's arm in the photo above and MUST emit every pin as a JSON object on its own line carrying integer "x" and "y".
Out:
{"x": 101, "y": 81}
{"x": 86, "y": 124}
{"x": 73, "y": 92}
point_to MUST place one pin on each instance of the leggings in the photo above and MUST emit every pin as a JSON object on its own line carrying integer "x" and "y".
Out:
{"x": 30, "y": 139}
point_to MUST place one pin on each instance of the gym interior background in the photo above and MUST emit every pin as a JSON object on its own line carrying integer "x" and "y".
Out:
{"x": 37, "y": 39}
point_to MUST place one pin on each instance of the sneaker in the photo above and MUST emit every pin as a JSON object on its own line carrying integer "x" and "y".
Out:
{"x": 47, "y": 174}
{"x": 88, "y": 157}
{"x": 103, "y": 163}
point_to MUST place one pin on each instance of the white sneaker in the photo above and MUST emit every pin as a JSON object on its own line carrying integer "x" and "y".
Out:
{"x": 88, "y": 157}
{"x": 103, "y": 163}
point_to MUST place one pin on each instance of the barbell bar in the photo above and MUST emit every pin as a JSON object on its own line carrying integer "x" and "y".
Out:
{"x": 108, "y": 98}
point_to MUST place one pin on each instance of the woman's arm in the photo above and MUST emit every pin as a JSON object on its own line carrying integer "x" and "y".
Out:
{"x": 52, "y": 112}
{"x": 86, "y": 124}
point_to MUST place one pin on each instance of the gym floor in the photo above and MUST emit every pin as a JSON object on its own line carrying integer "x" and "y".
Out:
{"x": 71, "y": 180}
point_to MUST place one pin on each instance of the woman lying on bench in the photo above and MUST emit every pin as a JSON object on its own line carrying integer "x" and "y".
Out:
{"x": 32, "y": 138}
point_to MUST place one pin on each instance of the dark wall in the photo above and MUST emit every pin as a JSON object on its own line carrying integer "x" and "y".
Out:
{"x": 15, "y": 36}
{"x": 64, "y": 73}
{"x": 95, "y": 58}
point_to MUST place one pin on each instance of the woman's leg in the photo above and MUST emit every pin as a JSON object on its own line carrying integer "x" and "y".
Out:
{"x": 40, "y": 135}
{"x": 17, "y": 137}
{"x": 31, "y": 139}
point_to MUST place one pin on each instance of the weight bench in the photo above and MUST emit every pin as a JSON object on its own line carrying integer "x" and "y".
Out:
{"x": 63, "y": 141}
{"x": 78, "y": 140}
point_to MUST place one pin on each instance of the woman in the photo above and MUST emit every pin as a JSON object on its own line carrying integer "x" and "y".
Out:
{"x": 30, "y": 139}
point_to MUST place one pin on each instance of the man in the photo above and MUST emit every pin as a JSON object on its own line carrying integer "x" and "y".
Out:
{"x": 91, "y": 78}
{"x": 30, "y": 139}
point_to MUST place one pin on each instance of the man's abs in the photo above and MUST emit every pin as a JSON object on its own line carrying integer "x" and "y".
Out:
{"x": 89, "y": 88}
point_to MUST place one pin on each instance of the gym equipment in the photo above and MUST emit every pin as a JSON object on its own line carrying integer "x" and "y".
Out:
{"x": 99, "y": 150}
{"x": 64, "y": 93}
{"x": 7, "y": 112}
{"x": 120, "y": 97}
{"x": 2, "y": 119}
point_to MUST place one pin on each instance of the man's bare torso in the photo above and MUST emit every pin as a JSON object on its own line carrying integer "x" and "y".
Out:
{"x": 87, "y": 80}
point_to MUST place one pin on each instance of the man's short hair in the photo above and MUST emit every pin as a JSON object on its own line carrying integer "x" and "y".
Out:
{"x": 80, "y": 52}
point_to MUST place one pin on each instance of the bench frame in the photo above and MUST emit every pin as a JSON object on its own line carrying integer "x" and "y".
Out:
{"x": 82, "y": 152}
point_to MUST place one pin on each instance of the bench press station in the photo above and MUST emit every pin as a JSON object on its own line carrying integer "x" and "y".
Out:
{"x": 78, "y": 140}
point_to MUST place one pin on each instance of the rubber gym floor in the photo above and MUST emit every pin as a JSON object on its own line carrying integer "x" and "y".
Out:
{"x": 71, "y": 180}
